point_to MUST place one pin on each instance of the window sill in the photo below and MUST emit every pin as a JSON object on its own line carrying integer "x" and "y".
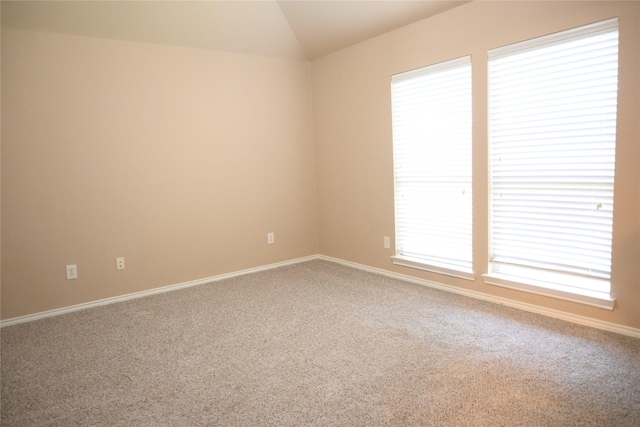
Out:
{"x": 458, "y": 272}
{"x": 592, "y": 298}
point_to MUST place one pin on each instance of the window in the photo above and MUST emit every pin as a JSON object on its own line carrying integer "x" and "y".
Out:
{"x": 553, "y": 104}
{"x": 432, "y": 167}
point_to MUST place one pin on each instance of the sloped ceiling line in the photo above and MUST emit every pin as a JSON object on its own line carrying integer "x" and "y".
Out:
{"x": 291, "y": 29}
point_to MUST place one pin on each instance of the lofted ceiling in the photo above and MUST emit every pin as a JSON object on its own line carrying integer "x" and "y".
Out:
{"x": 294, "y": 29}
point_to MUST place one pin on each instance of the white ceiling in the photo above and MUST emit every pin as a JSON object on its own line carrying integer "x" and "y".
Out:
{"x": 294, "y": 29}
{"x": 322, "y": 27}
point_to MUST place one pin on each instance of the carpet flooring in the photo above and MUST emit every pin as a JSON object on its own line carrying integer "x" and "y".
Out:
{"x": 315, "y": 344}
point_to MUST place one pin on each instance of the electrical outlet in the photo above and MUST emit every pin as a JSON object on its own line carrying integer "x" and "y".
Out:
{"x": 72, "y": 271}
{"x": 387, "y": 242}
{"x": 271, "y": 238}
{"x": 120, "y": 263}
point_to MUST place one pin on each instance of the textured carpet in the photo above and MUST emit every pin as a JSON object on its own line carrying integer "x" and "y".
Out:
{"x": 315, "y": 344}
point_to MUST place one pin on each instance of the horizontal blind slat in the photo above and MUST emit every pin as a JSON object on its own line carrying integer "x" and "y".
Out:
{"x": 432, "y": 163}
{"x": 553, "y": 107}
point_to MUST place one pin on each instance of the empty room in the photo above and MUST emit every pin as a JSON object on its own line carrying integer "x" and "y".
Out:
{"x": 322, "y": 213}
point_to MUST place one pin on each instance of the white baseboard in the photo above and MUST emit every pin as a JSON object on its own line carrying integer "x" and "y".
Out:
{"x": 169, "y": 288}
{"x": 574, "y": 318}
{"x": 581, "y": 320}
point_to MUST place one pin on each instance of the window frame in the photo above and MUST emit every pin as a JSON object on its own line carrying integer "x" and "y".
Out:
{"x": 552, "y": 288}
{"x": 424, "y": 262}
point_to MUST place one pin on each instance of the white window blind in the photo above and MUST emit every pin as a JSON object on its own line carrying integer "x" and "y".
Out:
{"x": 553, "y": 104}
{"x": 432, "y": 159}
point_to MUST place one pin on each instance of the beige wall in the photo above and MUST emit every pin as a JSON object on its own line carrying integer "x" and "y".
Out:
{"x": 181, "y": 160}
{"x": 352, "y": 122}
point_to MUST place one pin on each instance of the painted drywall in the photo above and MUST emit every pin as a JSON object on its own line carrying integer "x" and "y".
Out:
{"x": 354, "y": 152}
{"x": 180, "y": 160}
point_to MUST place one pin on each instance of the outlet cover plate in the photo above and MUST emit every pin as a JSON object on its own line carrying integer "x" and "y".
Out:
{"x": 72, "y": 271}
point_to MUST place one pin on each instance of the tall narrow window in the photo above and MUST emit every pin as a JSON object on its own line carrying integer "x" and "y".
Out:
{"x": 553, "y": 104}
{"x": 432, "y": 159}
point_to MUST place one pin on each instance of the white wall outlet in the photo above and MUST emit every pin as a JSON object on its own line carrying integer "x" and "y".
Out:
{"x": 120, "y": 263}
{"x": 72, "y": 271}
{"x": 271, "y": 238}
{"x": 387, "y": 242}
